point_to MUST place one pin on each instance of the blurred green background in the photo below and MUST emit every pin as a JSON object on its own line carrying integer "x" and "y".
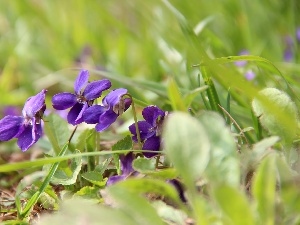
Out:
{"x": 43, "y": 42}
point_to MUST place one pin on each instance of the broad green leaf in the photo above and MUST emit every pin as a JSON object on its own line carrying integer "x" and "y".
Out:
{"x": 264, "y": 185}
{"x": 81, "y": 140}
{"x": 124, "y": 144}
{"x": 88, "y": 192}
{"x": 289, "y": 188}
{"x": 48, "y": 202}
{"x": 261, "y": 146}
{"x": 154, "y": 186}
{"x": 223, "y": 166}
{"x": 144, "y": 165}
{"x": 134, "y": 205}
{"x": 67, "y": 175}
{"x": 175, "y": 96}
{"x": 252, "y": 158}
{"x": 276, "y": 112}
{"x": 234, "y": 205}
{"x": 186, "y": 145}
{"x": 95, "y": 178}
{"x": 170, "y": 214}
{"x": 57, "y": 131}
{"x": 78, "y": 211}
{"x": 168, "y": 173}
{"x": 103, "y": 166}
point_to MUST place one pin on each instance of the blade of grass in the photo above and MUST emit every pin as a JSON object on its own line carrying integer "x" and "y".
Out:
{"x": 33, "y": 200}
{"x": 41, "y": 162}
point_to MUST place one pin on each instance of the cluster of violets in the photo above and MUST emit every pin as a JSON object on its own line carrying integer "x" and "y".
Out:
{"x": 28, "y": 127}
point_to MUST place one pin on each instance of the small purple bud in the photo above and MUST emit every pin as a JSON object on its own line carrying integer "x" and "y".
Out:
{"x": 249, "y": 75}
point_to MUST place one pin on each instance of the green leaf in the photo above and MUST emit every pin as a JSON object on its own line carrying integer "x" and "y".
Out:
{"x": 168, "y": 173}
{"x": 95, "y": 178}
{"x": 134, "y": 205}
{"x": 264, "y": 186}
{"x": 88, "y": 192}
{"x": 261, "y": 146}
{"x": 144, "y": 165}
{"x": 103, "y": 166}
{"x": 186, "y": 145}
{"x": 170, "y": 214}
{"x": 277, "y": 113}
{"x": 67, "y": 175}
{"x": 81, "y": 140}
{"x": 190, "y": 96}
{"x": 123, "y": 144}
{"x": 57, "y": 131}
{"x": 78, "y": 211}
{"x": 153, "y": 186}
{"x": 289, "y": 189}
{"x": 223, "y": 166}
{"x": 48, "y": 202}
{"x": 252, "y": 158}
{"x": 234, "y": 205}
{"x": 175, "y": 96}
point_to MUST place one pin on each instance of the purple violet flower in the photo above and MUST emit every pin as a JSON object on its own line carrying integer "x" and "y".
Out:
{"x": 126, "y": 169}
{"x": 106, "y": 114}
{"x": 150, "y": 129}
{"x": 26, "y": 128}
{"x": 85, "y": 94}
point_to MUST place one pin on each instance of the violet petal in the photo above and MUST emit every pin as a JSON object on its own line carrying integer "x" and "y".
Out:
{"x": 113, "y": 98}
{"x": 25, "y": 139}
{"x": 114, "y": 179}
{"x": 73, "y": 114}
{"x": 81, "y": 81}
{"x": 34, "y": 104}
{"x": 9, "y": 127}
{"x": 144, "y": 128}
{"x": 126, "y": 163}
{"x": 94, "y": 89}
{"x": 106, "y": 119}
{"x": 91, "y": 115}
{"x": 152, "y": 143}
{"x": 152, "y": 113}
{"x": 63, "y": 100}
{"x": 37, "y": 130}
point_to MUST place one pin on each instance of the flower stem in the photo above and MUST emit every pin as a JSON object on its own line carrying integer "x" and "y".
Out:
{"x": 135, "y": 121}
